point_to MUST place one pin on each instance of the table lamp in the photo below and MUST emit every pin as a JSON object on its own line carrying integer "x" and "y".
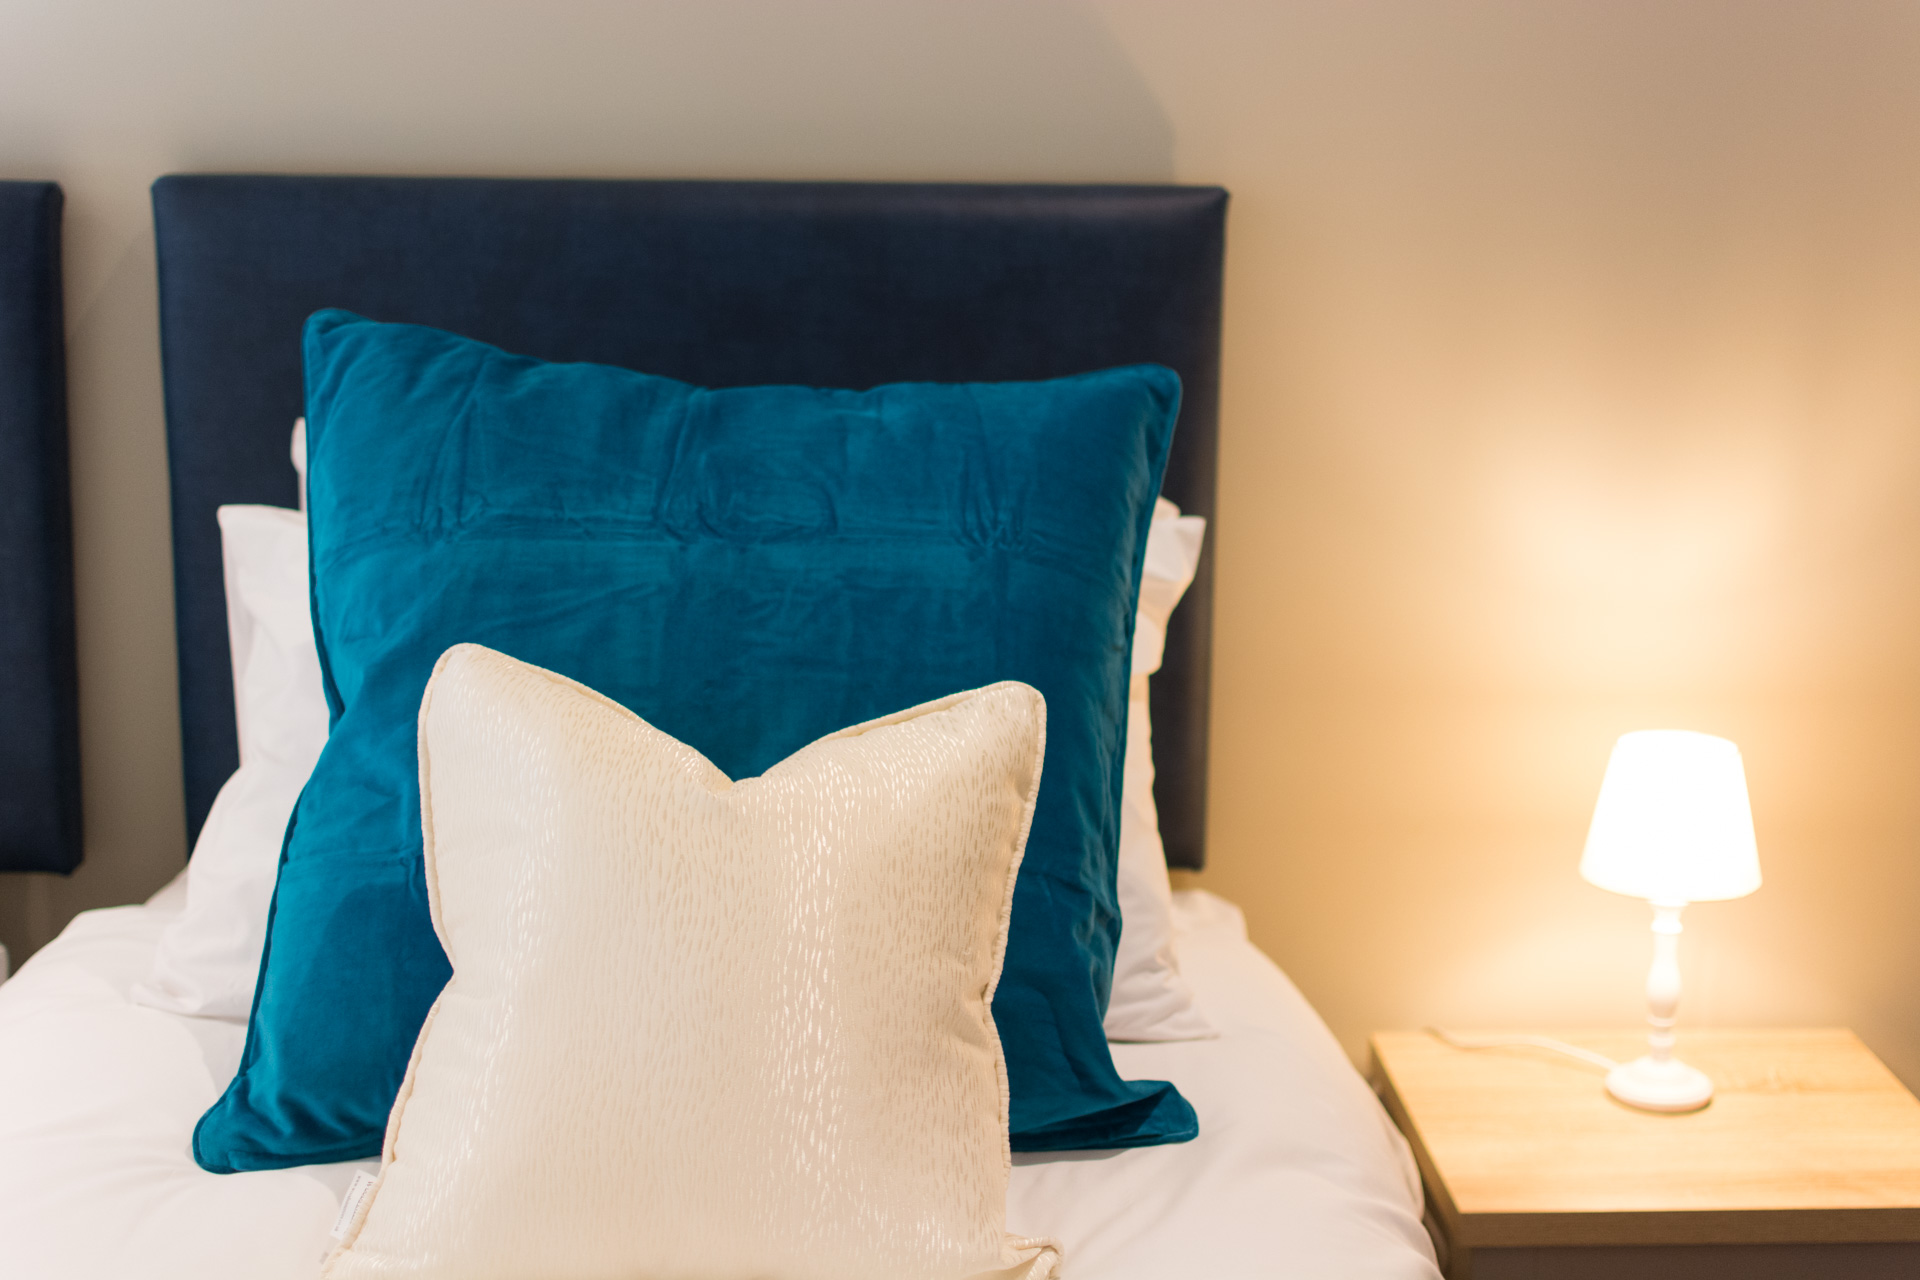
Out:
{"x": 1673, "y": 826}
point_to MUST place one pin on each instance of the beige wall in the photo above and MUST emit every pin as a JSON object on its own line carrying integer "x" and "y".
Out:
{"x": 1572, "y": 386}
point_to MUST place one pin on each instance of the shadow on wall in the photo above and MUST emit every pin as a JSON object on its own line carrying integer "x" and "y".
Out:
{"x": 105, "y": 97}
{"x": 992, "y": 89}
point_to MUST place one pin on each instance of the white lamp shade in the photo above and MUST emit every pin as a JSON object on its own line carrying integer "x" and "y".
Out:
{"x": 1672, "y": 824}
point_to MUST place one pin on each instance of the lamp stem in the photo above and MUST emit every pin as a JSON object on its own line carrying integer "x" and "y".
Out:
{"x": 1663, "y": 979}
{"x": 1660, "y": 1081}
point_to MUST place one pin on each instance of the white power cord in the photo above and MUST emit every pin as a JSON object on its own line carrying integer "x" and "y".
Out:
{"x": 1537, "y": 1042}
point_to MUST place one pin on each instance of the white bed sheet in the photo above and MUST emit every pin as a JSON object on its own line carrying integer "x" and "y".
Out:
{"x": 1297, "y": 1171}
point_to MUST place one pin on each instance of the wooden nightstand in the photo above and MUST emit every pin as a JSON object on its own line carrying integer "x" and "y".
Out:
{"x": 1806, "y": 1164}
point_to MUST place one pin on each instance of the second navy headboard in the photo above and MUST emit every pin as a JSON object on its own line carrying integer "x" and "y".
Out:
{"x": 715, "y": 283}
{"x": 39, "y": 684}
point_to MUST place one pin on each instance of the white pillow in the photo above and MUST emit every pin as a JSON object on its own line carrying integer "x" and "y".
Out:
{"x": 299, "y": 451}
{"x": 210, "y": 953}
{"x": 1150, "y": 1000}
{"x": 705, "y": 1027}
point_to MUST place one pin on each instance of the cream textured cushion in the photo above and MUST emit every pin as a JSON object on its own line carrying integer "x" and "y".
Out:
{"x": 703, "y": 1028}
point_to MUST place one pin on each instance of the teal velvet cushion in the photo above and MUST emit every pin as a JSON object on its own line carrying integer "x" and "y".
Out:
{"x": 746, "y": 569}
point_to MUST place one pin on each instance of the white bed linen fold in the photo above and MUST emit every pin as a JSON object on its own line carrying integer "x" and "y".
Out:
{"x": 1297, "y": 1171}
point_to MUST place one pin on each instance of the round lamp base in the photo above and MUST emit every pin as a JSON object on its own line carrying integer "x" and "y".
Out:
{"x": 1660, "y": 1086}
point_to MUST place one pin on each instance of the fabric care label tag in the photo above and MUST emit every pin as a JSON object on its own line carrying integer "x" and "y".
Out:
{"x": 356, "y": 1193}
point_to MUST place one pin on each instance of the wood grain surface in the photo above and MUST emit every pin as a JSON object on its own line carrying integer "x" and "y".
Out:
{"x": 1809, "y": 1139}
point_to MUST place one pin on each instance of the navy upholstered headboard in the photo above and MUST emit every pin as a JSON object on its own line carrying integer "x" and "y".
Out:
{"x": 39, "y": 686}
{"x": 716, "y": 283}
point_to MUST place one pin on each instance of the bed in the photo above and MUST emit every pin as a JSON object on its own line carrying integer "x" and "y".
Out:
{"x": 1296, "y": 1171}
